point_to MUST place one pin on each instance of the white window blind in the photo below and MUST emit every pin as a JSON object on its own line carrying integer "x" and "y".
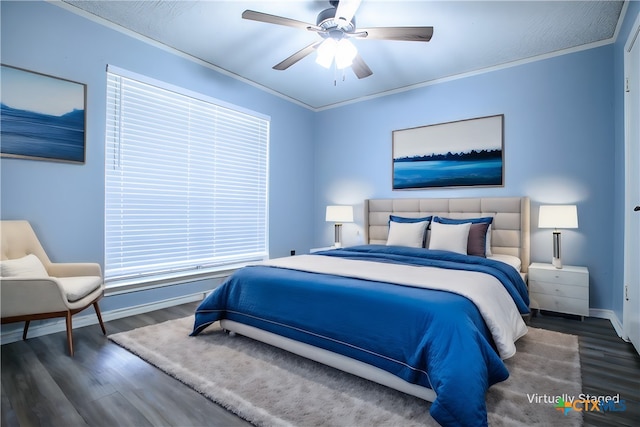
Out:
{"x": 186, "y": 180}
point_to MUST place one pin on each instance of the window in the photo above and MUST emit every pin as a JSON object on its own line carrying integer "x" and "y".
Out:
{"x": 185, "y": 177}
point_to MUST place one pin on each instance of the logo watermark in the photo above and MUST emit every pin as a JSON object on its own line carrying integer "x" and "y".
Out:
{"x": 566, "y": 403}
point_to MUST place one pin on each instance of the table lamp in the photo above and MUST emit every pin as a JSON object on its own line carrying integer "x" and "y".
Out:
{"x": 338, "y": 215}
{"x": 557, "y": 216}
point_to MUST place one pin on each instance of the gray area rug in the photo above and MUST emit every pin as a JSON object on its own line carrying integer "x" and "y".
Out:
{"x": 271, "y": 387}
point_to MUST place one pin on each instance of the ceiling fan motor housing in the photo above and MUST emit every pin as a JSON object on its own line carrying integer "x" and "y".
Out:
{"x": 327, "y": 21}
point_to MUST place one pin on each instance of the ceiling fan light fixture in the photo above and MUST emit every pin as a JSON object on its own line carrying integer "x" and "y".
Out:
{"x": 345, "y": 54}
{"x": 335, "y": 25}
{"x": 326, "y": 52}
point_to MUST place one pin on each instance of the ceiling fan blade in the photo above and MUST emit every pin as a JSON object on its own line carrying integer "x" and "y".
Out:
{"x": 297, "y": 56}
{"x": 346, "y": 10}
{"x": 410, "y": 34}
{"x": 360, "y": 68}
{"x": 273, "y": 19}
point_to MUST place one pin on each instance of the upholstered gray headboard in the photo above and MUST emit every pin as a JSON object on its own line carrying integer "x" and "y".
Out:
{"x": 509, "y": 230}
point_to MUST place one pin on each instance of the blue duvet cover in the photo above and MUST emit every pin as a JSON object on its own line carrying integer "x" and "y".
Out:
{"x": 433, "y": 338}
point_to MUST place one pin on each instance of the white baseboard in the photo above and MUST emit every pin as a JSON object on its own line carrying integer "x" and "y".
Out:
{"x": 59, "y": 325}
{"x": 611, "y": 316}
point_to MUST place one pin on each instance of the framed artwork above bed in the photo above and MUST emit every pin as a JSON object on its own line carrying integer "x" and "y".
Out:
{"x": 455, "y": 154}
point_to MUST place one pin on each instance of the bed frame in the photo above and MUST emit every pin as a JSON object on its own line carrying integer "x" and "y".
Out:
{"x": 510, "y": 236}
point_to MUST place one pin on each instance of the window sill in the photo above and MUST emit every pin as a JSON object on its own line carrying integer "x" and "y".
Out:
{"x": 145, "y": 283}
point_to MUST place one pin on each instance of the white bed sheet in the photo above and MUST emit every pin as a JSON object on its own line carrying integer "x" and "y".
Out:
{"x": 513, "y": 261}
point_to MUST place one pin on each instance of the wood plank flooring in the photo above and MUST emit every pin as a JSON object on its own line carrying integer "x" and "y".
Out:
{"x": 609, "y": 365}
{"x": 105, "y": 385}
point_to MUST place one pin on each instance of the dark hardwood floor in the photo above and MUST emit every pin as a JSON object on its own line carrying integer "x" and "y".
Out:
{"x": 609, "y": 365}
{"x": 102, "y": 385}
{"x": 105, "y": 385}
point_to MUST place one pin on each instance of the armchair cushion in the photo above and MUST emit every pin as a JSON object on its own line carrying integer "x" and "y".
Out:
{"x": 27, "y": 266}
{"x": 76, "y": 288}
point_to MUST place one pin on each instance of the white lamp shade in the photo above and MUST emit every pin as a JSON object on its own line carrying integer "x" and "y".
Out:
{"x": 339, "y": 214}
{"x": 345, "y": 53}
{"x": 558, "y": 216}
{"x": 326, "y": 52}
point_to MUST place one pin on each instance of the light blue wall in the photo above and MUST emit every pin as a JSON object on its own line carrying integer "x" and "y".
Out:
{"x": 559, "y": 148}
{"x": 65, "y": 202}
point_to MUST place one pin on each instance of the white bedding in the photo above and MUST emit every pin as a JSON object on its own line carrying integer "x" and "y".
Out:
{"x": 511, "y": 260}
{"x": 489, "y": 295}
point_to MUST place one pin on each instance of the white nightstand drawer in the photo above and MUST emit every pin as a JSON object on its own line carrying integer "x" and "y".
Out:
{"x": 561, "y": 290}
{"x": 564, "y": 276}
{"x": 561, "y": 304}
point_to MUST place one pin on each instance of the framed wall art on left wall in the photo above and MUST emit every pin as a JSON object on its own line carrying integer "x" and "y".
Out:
{"x": 42, "y": 117}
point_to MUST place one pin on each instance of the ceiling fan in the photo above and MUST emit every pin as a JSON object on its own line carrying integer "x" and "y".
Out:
{"x": 336, "y": 25}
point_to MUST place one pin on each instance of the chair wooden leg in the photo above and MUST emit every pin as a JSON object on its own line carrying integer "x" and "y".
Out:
{"x": 26, "y": 328}
{"x": 97, "y": 307}
{"x": 69, "y": 334}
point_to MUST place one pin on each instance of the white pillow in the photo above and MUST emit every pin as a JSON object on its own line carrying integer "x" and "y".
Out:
{"x": 406, "y": 233}
{"x": 449, "y": 237}
{"x": 28, "y": 266}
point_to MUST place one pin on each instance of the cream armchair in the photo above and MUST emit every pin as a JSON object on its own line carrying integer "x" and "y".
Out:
{"x": 33, "y": 288}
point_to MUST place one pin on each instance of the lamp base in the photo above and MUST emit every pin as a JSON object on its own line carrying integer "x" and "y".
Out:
{"x": 557, "y": 263}
{"x": 338, "y": 236}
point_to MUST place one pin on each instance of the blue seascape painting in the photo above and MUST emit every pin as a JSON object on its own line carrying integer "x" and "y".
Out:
{"x": 463, "y": 153}
{"x": 446, "y": 173}
{"x": 41, "y": 117}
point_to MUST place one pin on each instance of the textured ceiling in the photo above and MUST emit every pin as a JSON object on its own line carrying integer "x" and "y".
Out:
{"x": 469, "y": 36}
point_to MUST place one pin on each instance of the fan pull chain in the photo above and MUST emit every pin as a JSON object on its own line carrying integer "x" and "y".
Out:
{"x": 335, "y": 75}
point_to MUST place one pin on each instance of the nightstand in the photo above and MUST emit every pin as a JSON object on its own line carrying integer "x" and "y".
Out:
{"x": 564, "y": 290}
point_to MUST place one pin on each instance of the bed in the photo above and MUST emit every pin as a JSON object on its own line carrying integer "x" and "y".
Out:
{"x": 434, "y": 323}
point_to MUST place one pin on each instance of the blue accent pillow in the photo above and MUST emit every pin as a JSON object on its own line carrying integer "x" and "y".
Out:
{"x": 403, "y": 219}
{"x": 443, "y": 220}
{"x": 395, "y": 218}
{"x": 477, "y": 241}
